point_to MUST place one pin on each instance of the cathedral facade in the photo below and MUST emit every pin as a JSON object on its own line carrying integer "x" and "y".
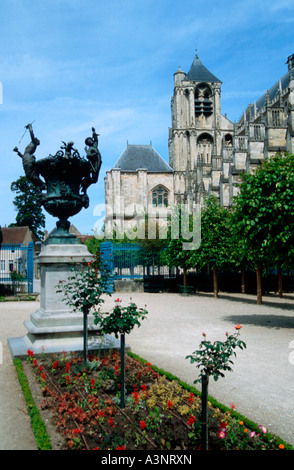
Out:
{"x": 207, "y": 151}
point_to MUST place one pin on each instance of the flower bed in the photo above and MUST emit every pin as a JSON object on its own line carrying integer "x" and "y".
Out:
{"x": 159, "y": 414}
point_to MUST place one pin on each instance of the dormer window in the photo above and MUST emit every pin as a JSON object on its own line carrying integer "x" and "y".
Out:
{"x": 203, "y": 101}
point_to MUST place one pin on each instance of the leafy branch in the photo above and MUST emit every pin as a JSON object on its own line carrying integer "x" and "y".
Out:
{"x": 83, "y": 290}
{"x": 214, "y": 358}
{"x": 121, "y": 319}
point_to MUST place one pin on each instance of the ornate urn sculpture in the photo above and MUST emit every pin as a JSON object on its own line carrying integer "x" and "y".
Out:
{"x": 66, "y": 177}
{"x": 62, "y": 181}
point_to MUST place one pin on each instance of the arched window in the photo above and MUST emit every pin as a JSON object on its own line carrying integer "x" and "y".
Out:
{"x": 160, "y": 197}
{"x": 204, "y": 148}
{"x": 203, "y": 102}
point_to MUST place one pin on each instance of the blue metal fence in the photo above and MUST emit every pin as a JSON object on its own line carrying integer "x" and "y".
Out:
{"x": 17, "y": 265}
{"x": 125, "y": 261}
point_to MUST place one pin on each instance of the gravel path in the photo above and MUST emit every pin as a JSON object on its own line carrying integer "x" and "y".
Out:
{"x": 261, "y": 385}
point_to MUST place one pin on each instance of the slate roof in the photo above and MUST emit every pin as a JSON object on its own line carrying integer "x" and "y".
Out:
{"x": 135, "y": 157}
{"x": 273, "y": 91}
{"x": 199, "y": 73}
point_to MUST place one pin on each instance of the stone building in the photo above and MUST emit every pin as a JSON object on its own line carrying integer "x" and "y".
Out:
{"x": 207, "y": 151}
{"x": 140, "y": 182}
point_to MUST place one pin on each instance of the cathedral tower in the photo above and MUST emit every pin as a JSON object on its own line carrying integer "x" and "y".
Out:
{"x": 197, "y": 133}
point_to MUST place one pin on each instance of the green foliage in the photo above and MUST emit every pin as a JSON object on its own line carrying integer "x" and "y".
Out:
{"x": 16, "y": 277}
{"x": 84, "y": 289}
{"x": 121, "y": 319}
{"x": 215, "y": 236}
{"x": 214, "y": 358}
{"x": 39, "y": 429}
{"x": 264, "y": 212}
{"x": 29, "y": 211}
{"x": 175, "y": 253}
{"x": 93, "y": 245}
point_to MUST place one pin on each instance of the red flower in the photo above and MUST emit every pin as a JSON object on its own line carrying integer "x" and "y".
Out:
{"x": 67, "y": 367}
{"x": 144, "y": 387}
{"x": 238, "y": 327}
{"x": 55, "y": 364}
{"x": 121, "y": 447}
{"x": 136, "y": 397}
{"x": 30, "y": 353}
{"x": 35, "y": 362}
{"x": 110, "y": 422}
{"x": 223, "y": 426}
{"x": 67, "y": 379}
{"x": 191, "y": 420}
{"x": 93, "y": 383}
{"x": 143, "y": 424}
{"x": 169, "y": 404}
{"x": 191, "y": 398}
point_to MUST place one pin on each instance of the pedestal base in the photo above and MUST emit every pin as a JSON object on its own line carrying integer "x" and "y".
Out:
{"x": 55, "y": 327}
{"x": 59, "y": 343}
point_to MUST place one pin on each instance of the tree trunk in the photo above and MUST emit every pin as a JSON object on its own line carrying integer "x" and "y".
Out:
{"x": 259, "y": 284}
{"x": 243, "y": 280}
{"x": 184, "y": 277}
{"x": 280, "y": 282}
{"x": 85, "y": 335}
{"x": 122, "y": 370}
{"x": 215, "y": 283}
{"x": 204, "y": 414}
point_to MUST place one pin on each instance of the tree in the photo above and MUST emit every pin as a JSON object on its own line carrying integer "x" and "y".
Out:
{"x": 183, "y": 238}
{"x": 121, "y": 321}
{"x": 153, "y": 240}
{"x": 213, "y": 359}
{"x": 264, "y": 215}
{"x": 215, "y": 239}
{"x": 84, "y": 291}
{"x": 29, "y": 211}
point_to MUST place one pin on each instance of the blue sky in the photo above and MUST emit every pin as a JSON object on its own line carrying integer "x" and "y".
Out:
{"x": 69, "y": 65}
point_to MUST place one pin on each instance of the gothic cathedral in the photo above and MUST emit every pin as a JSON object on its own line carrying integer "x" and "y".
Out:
{"x": 207, "y": 151}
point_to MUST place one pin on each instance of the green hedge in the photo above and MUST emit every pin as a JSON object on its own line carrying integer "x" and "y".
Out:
{"x": 38, "y": 426}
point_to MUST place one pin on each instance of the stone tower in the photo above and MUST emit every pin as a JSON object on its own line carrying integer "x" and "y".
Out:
{"x": 198, "y": 134}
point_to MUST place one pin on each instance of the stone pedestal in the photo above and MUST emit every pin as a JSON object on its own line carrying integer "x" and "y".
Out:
{"x": 55, "y": 327}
